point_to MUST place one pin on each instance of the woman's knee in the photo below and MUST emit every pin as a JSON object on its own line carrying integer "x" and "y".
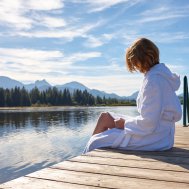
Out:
{"x": 104, "y": 116}
{"x": 106, "y": 120}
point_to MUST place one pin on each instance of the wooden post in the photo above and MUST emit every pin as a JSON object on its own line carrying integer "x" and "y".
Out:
{"x": 185, "y": 103}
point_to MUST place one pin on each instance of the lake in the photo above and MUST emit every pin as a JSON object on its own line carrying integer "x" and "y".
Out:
{"x": 35, "y": 138}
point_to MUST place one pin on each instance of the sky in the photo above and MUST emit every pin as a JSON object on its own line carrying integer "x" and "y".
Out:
{"x": 85, "y": 40}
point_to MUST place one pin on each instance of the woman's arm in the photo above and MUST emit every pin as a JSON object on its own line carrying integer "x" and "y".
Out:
{"x": 151, "y": 106}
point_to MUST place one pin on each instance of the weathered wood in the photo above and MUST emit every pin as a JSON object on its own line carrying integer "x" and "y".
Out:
{"x": 158, "y": 165}
{"x": 162, "y": 175}
{"x": 174, "y": 152}
{"x": 34, "y": 183}
{"x": 101, "y": 180}
{"x": 143, "y": 157}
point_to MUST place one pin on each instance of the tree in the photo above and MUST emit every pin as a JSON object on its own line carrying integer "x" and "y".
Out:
{"x": 91, "y": 100}
{"x": 16, "y": 96}
{"x": 43, "y": 97}
{"x": 8, "y": 98}
{"x": 49, "y": 95}
{"x": 99, "y": 100}
{"x": 35, "y": 96}
{"x": 2, "y": 97}
{"x": 77, "y": 96}
{"x": 25, "y": 99}
{"x": 67, "y": 100}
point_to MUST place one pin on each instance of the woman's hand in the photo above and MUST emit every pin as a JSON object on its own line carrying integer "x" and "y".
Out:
{"x": 119, "y": 123}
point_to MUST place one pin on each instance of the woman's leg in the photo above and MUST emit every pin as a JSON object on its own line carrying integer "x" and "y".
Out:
{"x": 104, "y": 123}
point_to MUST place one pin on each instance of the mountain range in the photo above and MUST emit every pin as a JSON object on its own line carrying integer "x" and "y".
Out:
{"x": 8, "y": 83}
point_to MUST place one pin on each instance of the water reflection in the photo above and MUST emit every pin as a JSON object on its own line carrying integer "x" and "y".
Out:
{"x": 9, "y": 122}
{"x": 31, "y": 140}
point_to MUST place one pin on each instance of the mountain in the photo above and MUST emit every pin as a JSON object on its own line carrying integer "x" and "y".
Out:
{"x": 76, "y": 85}
{"x": 6, "y": 82}
{"x": 133, "y": 96}
{"x": 72, "y": 86}
{"x": 102, "y": 94}
{"x": 41, "y": 85}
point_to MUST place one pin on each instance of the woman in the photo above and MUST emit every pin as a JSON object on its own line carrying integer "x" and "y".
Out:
{"x": 157, "y": 104}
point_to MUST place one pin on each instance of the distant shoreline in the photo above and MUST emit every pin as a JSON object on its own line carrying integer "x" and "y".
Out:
{"x": 51, "y": 107}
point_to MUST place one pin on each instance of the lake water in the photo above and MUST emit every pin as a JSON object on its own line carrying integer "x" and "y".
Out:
{"x": 34, "y": 138}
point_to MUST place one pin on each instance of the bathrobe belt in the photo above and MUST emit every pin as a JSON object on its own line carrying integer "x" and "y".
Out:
{"x": 122, "y": 140}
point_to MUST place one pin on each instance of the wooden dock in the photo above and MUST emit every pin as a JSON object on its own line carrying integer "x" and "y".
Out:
{"x": 109, "y": 168}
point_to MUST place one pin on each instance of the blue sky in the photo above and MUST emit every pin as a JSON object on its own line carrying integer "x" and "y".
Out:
{"x": 85, "y": 40}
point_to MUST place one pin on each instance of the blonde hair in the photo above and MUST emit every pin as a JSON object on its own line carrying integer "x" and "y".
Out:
{"x": 142, "y": 55}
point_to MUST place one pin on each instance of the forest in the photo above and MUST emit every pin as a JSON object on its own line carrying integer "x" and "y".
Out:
{"x": 20, "y": 97}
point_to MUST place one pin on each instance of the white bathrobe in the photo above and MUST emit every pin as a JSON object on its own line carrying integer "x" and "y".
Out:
{"x": 154, "y": 128}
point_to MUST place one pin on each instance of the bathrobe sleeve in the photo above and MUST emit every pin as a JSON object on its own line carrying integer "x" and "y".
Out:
{"x": 149, "y": 108}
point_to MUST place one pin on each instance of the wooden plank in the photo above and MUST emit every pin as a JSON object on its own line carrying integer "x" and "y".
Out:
{"x": 141, "y": 157}
{"x": 180, "y": 129}
{"x": 34, "y": 183}
{"x": 132, "y": 163}
{"x": 183, "y": 146}
{"x": 174, "y": 152}
{"x": 160, "y": 175}
{"x": 101, "y": 180}
{"x": 181, "y": 142}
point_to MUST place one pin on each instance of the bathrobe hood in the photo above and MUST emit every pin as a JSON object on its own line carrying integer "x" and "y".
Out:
{"x": 172, "y": 78}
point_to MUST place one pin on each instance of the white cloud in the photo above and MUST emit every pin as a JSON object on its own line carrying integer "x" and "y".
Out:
{"x": 30, "y": 54}
{"x": 68, "y": 33}
{"x": 53, "y": 22}
{"x": 83, "y": 56}
{"x": 93, "y": 42}
{"x": 12, "y": 14}
{"x": 100, "y": 5}
{"x": 50, "y": 34}
{"x": 163, "y": 13}
{"x": 97, "y": 41}
{"x": 144, "y": 25}
{"x": 108, "y": 36}
{"x": 168, "y": 37}
{"x": 29, "y": 60}
{"x": 158, "y": 37}
{"x": 160, "y": 18}
{"x": 38, "y": 64}
{"x": 46, "y": 55}
{"x": 177, "y": 68}
{"x": 17, "y": 13}
{"x": 43, "y": 5}
{"x": 157, "y": 10}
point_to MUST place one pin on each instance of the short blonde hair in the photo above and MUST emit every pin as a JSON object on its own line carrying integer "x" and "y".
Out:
{"x": 142, "y": 55}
